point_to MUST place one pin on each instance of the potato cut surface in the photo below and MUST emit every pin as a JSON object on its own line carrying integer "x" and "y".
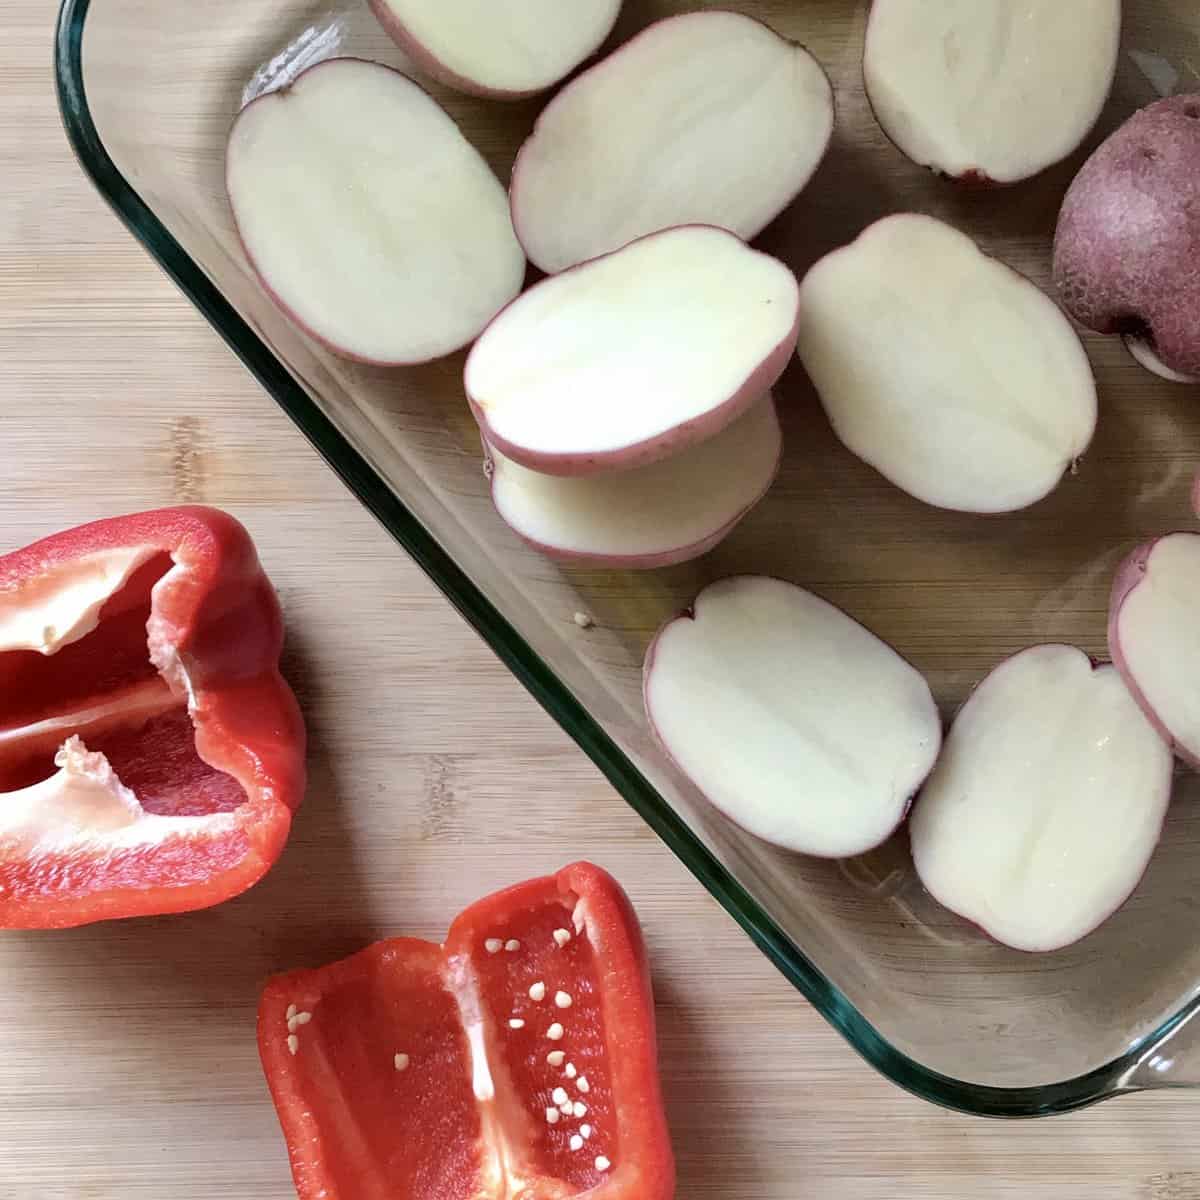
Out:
{"x": 650, "y": 516}
{"x": 1046, "y": 803}
{"x": 499, "y": 47}
{"x": 1154, "y": 635}
{"x": 990, "y": 89}
{"x": 369, "y": 217}
{"x": 793, "y": 719}
{"x": 630, "y": 357}
{"x": 948, "y": 372}
{"x": 706, "y": 118}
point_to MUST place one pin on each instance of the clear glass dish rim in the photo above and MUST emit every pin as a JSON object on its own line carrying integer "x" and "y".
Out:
{"x": 524, "y": 662}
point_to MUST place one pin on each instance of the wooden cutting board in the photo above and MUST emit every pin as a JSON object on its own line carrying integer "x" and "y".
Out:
{"x": 128, "y": 1068}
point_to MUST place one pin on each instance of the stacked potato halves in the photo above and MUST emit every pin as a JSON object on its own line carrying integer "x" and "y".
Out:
{"x": 624, "y": 402}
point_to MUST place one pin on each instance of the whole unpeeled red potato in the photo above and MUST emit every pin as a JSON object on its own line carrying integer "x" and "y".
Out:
{"x": 1128, "y": 240}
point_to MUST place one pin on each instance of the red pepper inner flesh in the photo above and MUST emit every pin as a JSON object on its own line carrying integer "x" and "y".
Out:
{"x": 158, "y": 762}
{"x": 409, "y": 1132}
{"x": 505, "y": 979}
{"x": 143, "y": 729}
{"x": 462, "y": 1114}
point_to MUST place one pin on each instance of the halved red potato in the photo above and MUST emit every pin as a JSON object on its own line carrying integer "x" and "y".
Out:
{"x": 793, "y": 719}
{"x": 652, "y": 516}
{"x": 1154, "y": 636}
{"x": 951, "y": 374}
{"x": 1125, "y": 246}
{"x": 1047, "y": 802}
{"x": 706, "y": 118}
{"x": 501, "y": 49}
{"x": 633, "y": 356}
{"x": 368, "y": 217}
{"x": 989, "y": 91}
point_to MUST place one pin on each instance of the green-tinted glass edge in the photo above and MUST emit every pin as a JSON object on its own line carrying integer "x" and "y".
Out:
{"x": 521, "y": 659}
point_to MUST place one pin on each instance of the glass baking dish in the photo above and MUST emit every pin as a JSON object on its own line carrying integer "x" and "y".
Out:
{"x": 148, "y": 93}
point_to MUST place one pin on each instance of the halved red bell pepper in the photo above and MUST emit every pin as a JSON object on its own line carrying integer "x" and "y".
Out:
{"x": 515, "y": 1062}
{"x": 140, "y": 657}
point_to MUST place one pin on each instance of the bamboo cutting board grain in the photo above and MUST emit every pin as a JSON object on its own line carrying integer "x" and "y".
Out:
{"x": 128, "y": 1068}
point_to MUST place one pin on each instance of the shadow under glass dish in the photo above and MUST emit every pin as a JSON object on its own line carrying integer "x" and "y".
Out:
{"x": 148, "y": 97}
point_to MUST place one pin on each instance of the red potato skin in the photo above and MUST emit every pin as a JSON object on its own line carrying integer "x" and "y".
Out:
{"x": 514, "y": 187}
{"x": 1128, "y": 234}
{"x": 653, "y": 449}
{"x": 1196, "y": 497}
{"x": 1096, "y": 664}
{"x": 436, "y": 69}
{"x": 973, "y": 180}
{"x": 689, "y": 614}
{"x": 1129, "y": 575}
{"x": 636, "y": 562}
{"x": 276, "y": 299}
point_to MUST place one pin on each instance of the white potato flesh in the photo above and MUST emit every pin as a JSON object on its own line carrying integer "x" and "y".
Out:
{"x": 1143, "y": 354}
{"x": 991, "y": 89}
{"x": 651, "y": 516}
{"x": 1154, "y": 636}
{"x": 705, "y": 118}
{"x": 631, "y": 357}
{"x": 1047, "y": 801}
{"x": 944, "y": 369}
{"x": 499, "y": 47}
{"x": 794, "y": 720}
{"x": 369, "y": 217}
